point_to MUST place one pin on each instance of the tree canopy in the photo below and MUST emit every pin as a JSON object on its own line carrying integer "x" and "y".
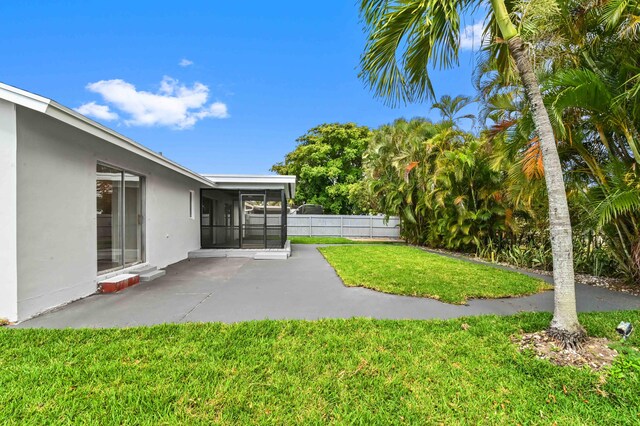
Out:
{"x": 328, "y": 165}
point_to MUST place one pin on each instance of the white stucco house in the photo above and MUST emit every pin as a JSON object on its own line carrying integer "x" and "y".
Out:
{"x": 81, "y": 205}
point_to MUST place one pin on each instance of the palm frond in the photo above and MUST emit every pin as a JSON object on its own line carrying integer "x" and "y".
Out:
{"x": 405, "y": 38}
{"x": 616, "y": 204}
{"x": 532, "y": 165}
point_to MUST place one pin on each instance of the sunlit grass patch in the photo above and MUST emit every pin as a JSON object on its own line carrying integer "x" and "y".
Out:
{"x": 410, "y": 271}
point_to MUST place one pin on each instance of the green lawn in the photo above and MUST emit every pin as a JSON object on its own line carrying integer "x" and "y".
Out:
{"x": 321, "y": 240}
{"x": 410, "y": 271}
{"x": 334, "y": 240}
{"x": 296, "y": 372}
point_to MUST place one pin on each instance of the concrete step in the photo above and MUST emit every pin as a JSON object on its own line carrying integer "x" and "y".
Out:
{"x": 152, "y": 275}
{"x": 118, "y": 282}
{"x": 271, "y": 255}
{"x": 263, "y": 254}
{"x": 144, "y": 269}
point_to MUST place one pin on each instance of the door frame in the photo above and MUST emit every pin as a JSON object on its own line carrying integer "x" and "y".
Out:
{"x": 264, "y": 217}
{"x": 141, "y": 218}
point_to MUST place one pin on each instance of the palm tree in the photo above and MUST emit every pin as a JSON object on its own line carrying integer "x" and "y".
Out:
{"x": 450, "y": 108}
{"x": 426, "y": 33}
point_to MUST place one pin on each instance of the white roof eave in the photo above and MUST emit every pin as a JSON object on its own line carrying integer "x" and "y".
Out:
{"x": 278, "y": 179}
{"x": 286, "y": 182}
{"x": 23, "y": 98}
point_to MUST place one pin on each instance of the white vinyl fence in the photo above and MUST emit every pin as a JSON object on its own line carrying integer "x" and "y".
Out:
{"x": 342, "y": 226}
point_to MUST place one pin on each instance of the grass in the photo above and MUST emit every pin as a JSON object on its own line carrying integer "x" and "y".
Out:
{"x": 321, "y": 240}
{"x": 410, "y": 271}
{"x": 334, "y": 240}
{"x": 296, "y": 372}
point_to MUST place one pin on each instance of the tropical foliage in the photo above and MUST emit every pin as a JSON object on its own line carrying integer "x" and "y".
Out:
{"x": 588, "y": 62}
{"x": 455, "y": 190}
{"x": 328, "y": 164}
{"x": 439, "y": 181}
{"x": 586, "y": 56}
{"x": 451, "y": 109}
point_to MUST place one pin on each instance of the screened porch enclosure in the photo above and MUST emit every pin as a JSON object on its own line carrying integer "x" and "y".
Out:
{"x": 249, "y": 219}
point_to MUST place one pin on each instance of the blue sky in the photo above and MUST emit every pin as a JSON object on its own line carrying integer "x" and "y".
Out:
{"x": 261, "y": 73}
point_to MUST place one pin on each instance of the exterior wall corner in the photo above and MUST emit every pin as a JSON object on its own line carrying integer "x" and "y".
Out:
{"x": 8, "y": 212}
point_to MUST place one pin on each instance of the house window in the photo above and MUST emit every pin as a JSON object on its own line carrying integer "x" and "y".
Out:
{"x": 191, "y": 205}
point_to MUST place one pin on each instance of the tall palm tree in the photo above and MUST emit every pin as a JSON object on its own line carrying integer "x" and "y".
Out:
{"x": 450, "y": 108}
{"x": 425, "y": 33}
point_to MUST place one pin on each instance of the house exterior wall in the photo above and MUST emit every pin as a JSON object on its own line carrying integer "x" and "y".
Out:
{"x": 56, "y": 211}
{"x": 8, "y": 212}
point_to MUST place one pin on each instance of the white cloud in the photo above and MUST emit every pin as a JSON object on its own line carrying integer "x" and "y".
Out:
{"x": 173, "y": 105}
{"x": 184, "y": 62}
{"x": 101, "y": 112}
{"x": 471, "y": 37}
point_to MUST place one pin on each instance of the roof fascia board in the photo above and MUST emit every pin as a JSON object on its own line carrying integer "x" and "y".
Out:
{"x": 279, "y": 179}
{"x": 250, "y": 185}
{"x": 288, "y": 187}
{"x": 286, "y": 182}
{"x": 24, "y": 98}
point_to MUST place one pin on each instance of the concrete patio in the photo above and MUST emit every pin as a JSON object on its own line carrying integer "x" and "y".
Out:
{"x": 303, "y": 287}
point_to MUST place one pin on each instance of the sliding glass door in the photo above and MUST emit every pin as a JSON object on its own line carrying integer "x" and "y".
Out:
{"x": 119, "y": 218}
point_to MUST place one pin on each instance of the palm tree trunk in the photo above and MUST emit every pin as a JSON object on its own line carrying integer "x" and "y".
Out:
{"x": 564, "y": 326}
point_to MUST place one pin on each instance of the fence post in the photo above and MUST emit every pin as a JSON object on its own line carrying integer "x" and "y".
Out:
{"x": 310, "y": 226}
{"x": 341, "y": 226}
{"x": 370, "y": 226}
